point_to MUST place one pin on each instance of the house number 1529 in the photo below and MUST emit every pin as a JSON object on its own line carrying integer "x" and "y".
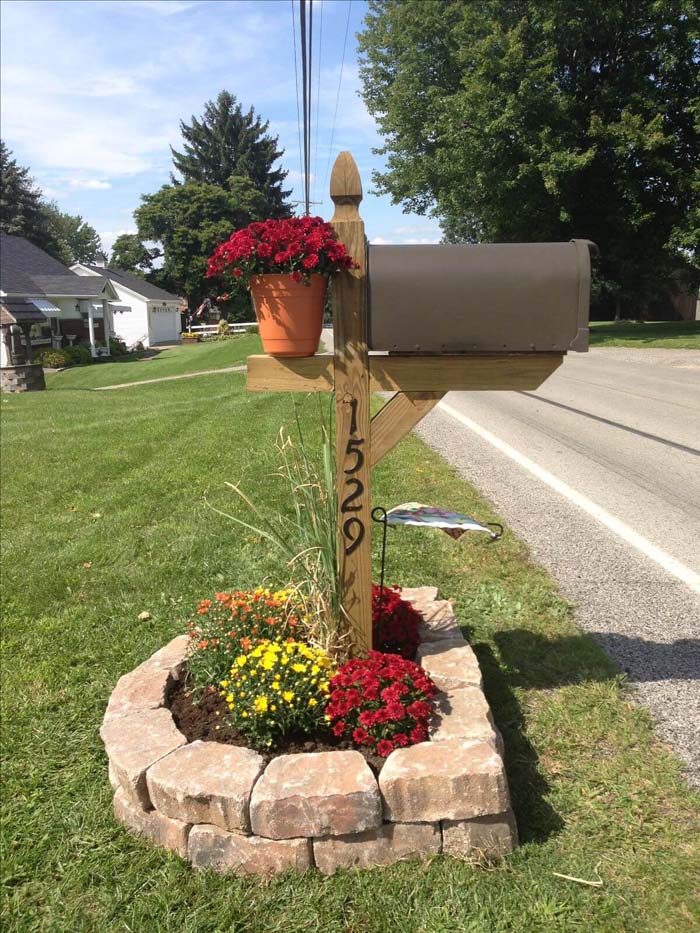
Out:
{"x": 353, "y": 527}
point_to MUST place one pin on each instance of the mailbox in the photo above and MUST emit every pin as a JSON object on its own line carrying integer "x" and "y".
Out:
{"x": 490, "y": 298}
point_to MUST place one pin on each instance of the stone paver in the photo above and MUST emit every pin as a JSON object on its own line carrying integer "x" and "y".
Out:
{"x": 439, "y": 621}
{"x": 146, "y": 687}
{"x": 464, "y": 714}
{"x": 450, "y": 666}
{"x": 135, "y": 742}
{"x": 206, "y": 782}
{"x": 389, "y": 843}
{"x": 152, "y": 825}
{"x": 316, "y": 794}
{"x": 212, "y": 847}
{"x": 454, "y": 779}
{"x": 488, "y": 835}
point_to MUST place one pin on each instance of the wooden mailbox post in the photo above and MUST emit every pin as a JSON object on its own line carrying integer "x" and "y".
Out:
{"x": 418, "y": 381}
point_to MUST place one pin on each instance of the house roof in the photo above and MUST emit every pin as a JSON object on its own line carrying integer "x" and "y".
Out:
{"x": 70, "y": 285}
{"x": 19, "y": 311}
{"x": 133, "y": 282}
{"x": 27, "y": 270}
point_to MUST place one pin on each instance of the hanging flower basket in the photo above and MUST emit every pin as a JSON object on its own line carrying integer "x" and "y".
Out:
{"x": 286, "y": 265}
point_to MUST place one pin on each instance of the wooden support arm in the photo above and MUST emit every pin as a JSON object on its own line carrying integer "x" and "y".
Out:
{"x": 440, "y": 374}
{"x": 402, "y": 412}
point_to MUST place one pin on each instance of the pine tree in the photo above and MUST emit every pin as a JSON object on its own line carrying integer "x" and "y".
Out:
{"x": 21, "y": 208}
{"x": 227, "y": 144}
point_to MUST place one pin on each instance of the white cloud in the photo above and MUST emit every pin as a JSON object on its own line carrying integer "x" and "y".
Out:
{"x": 89, "y": 183}
{"x": 109, "y": 236}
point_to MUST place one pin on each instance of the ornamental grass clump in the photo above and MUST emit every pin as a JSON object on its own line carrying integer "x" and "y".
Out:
{"x": 234, "y": 622}
{"x": 381, "y": 702}
{"x": 305, "y": 535}
{"x": 277, "y": 690}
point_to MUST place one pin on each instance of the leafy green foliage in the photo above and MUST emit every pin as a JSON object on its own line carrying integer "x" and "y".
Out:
{"x": 66, "y": 356}
{"x": 545, "y": 120}
{"x": 189, "y": 220}
{"x": 227, "y": 148}
{"x": 80, "y": 242}
{"x": 131, "y": 255}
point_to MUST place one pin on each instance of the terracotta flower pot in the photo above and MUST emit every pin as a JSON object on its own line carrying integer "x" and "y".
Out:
{"x": 289, "y": 313}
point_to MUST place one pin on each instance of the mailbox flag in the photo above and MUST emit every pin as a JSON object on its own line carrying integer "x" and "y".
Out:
{"x": 452, "y": 523}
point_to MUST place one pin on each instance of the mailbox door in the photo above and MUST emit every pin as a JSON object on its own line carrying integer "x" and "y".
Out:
{"x": 491, "y": 298}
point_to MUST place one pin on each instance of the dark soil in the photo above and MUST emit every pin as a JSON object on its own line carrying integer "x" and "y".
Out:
{"x": 204, "y": 717}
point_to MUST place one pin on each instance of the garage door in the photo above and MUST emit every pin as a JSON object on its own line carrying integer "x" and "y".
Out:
{"x": 164, "y": 326}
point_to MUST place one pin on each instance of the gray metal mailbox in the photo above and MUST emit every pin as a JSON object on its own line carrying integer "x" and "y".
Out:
{"x": 501, "y": 297}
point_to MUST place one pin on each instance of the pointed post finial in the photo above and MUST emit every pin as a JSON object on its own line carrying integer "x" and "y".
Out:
{"x": 346, "y": 188}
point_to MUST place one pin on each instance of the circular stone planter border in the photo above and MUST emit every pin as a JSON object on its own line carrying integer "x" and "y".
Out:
{"x": 220, "y": 807}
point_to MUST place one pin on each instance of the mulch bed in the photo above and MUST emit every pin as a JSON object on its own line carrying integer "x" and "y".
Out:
{"x": 204, "y": 718}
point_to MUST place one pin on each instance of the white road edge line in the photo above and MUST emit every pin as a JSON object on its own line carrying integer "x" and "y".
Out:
{"x": 642, "y": 544}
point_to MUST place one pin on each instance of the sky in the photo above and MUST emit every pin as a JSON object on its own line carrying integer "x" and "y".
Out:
{"x": 93, "y": 92}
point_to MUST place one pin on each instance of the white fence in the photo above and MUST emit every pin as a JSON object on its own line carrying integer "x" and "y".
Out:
{"x": 212, "y": 330}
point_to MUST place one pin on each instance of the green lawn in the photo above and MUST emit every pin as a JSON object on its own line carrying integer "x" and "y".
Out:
{"x": 213, "y": 354}
{"x": 103, "y": 518}
{"x": 678, "y": 335}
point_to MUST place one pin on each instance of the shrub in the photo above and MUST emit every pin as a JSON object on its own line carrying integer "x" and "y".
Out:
{"x": 276, "y": 690}
{"x": 117, "y": 347}
{"x": 394, "y": 623}
{"x": 54, "y": 359}
{"x": 381, "y": 702}
{"x": 78, "y": 355}
{"x": 234, "y": 622}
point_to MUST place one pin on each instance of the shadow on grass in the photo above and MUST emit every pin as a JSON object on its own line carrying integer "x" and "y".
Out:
{"x": 536, "y": 818}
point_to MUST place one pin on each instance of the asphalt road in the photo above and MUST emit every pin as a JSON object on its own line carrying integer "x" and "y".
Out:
{"x": 599, "y": 471}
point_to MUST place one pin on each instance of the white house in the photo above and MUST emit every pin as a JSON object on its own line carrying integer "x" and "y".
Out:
{"x": 149, "y": 315}
{"x": 47, "y": 305}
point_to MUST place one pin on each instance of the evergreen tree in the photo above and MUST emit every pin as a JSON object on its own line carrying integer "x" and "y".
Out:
{"x": 22, "y": 211}
{"x": 226, "y": 144}
{"x": 544, "y": 120}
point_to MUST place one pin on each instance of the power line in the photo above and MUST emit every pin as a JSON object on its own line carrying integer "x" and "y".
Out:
{"x": 337, "y": 99}
{"x": 318, "y": 97}
{"x": 305, "y": 99}
{"x": 296, "y": 84}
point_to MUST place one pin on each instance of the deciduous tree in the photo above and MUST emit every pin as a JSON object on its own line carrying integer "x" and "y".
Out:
{"x": 130, "y": 254}
{"x": 543, "y": 120}
{"x": 188, "y": 221}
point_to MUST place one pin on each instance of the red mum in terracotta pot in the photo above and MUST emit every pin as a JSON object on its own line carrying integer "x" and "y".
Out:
{"x": 286, "y": 264}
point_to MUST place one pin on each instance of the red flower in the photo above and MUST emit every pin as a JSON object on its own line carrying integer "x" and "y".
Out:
{"x": 295, "y": 245}
{"x": 382, "y": 699}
